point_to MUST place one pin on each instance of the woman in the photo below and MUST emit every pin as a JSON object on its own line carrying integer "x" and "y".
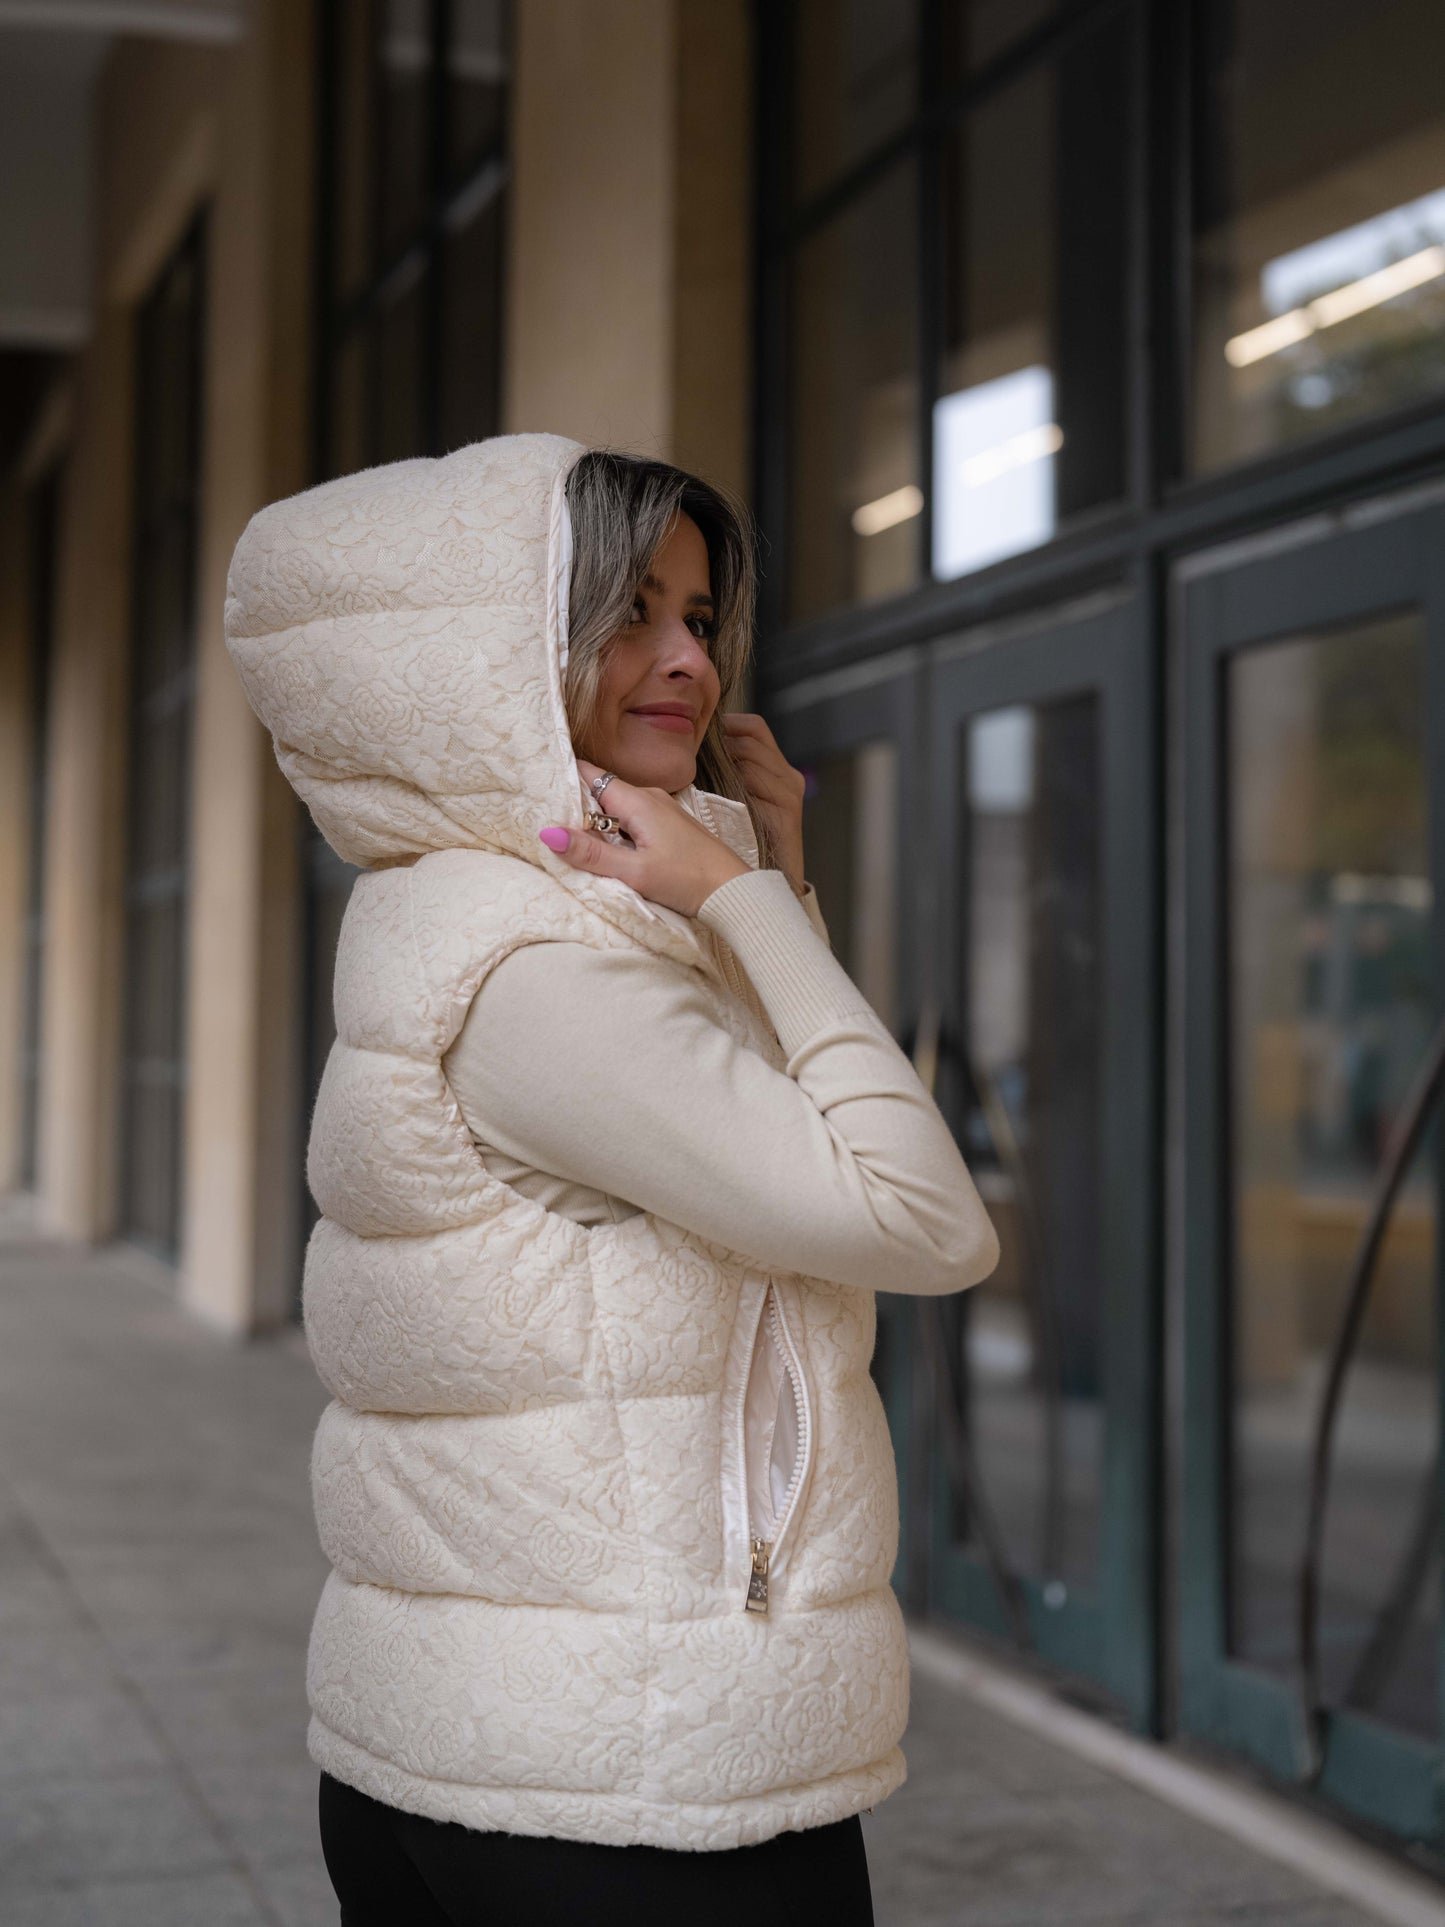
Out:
{"x": 611, "y": 1158}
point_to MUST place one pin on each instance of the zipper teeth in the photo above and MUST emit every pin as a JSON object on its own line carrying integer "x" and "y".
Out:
{"x": 803, "y": 1440}
{"x": 742, "y": 1434}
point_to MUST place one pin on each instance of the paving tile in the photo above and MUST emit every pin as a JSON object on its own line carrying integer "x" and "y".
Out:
{"x": 240, "y": 1716}
{"x": 43, "y": 1660}
{"x": 32, "y": 1592}
{"x": 140, "y": 1822}
{"x": 302, "y": 1895}
{"x": 98, "y": 1730}
{"x": 268, "y": 1807}
{"x": 206, "y": 1900}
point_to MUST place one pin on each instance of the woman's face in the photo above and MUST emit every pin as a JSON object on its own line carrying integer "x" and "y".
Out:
{"x": 659, "y": 687}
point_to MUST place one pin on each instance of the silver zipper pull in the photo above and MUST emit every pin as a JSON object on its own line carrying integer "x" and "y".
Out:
{"x": 757, "y": 1599}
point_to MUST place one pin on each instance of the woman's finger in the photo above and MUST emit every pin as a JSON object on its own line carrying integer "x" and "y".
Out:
{"x": 746, "y": 722}
{"x": 620, "y": 800}
{"x": 586, "y": 850}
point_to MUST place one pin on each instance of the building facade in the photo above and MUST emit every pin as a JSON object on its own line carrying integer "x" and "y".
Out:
{"x": 1085, "y": 363}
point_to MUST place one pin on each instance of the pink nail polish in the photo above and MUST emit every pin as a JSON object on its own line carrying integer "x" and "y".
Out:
{"x": 555, "y": 837}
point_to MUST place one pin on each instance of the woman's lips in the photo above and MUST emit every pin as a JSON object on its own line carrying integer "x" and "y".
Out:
{"x": 661, "y": 720}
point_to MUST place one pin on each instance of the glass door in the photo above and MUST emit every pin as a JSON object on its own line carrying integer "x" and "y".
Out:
{"x": 1314, "y": 823}
{"x": 855, "y": 739}
{"x": 1045, "y": 1378}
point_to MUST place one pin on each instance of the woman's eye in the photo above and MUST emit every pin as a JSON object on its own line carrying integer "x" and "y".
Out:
{"x": 639, "y": 613}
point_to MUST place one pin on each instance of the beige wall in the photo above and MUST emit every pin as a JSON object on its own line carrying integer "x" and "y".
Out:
{"x": 628, "y": 289}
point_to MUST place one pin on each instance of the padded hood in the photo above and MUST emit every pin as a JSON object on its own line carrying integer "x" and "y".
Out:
{"x": 402, "y": 633}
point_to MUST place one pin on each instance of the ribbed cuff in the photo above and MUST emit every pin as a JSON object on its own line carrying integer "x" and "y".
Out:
{"x": 803, "y": 987}
{"x": 809, "y": 901}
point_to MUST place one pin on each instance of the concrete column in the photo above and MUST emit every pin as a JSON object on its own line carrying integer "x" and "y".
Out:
{"x": 241, "y": 1190}
{"x": 628, "y": 286}
{"x": 589, "y": 269}
{"x": 85, "y": 797}
{"x": 15, "y": 777}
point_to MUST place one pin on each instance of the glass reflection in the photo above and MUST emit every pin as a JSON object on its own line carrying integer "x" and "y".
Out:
{"x": 1029, "y": 1110}
{"x": 855, "y": 67}
{"x": 853, "y": 445}
{"x": 850, "y": 832}
{"x": 403, "y": 57}
{"x": 1029, "y": 426}
{"x": 1319, "y": 260}
{"x": 978, "y": 31}
{"x": 476, "y": 78}
{"x": 1333, "y": 1006}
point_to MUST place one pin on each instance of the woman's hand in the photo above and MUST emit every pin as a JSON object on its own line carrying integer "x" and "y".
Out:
{"x": 674, "y": 861}
{"x": 775, "y": 787}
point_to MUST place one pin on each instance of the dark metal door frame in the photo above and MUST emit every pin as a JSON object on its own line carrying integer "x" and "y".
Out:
{"x": 919, "y": 699}
{"x": 1111, "y": 1638}
{"x": 1350, "y": 574}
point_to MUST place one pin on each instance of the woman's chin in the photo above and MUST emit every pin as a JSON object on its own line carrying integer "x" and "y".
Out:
{"x": 662, "y": 765}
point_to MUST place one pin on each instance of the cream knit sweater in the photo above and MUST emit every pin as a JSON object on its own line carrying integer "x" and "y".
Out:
{"x": 601, "y": 1086}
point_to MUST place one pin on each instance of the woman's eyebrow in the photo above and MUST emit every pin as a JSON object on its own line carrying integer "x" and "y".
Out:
{"x": 660, "y": 588}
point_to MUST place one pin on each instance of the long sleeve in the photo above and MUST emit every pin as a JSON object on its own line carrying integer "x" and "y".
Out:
{"x": 606, "y": 1069}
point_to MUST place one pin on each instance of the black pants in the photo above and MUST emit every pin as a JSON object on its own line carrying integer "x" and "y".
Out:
{"x": 392, "y": 1869}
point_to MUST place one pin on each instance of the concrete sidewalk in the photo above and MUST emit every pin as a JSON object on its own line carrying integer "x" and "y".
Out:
{"x": 158, "y": 1570}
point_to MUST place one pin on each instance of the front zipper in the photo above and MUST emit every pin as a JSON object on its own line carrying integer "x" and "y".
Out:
{"x": 761, "y": 1551}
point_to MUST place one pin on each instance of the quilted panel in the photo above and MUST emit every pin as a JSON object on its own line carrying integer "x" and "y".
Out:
{"x": 532, "y": 1509}
{"x": 459, "y": 1689}
{"x": 490, "y": 1317}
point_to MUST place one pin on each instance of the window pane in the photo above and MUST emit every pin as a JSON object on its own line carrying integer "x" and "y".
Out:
{"x": 1025, "y": 1091}
{"x": 855, "y": 68}
{"x": 476, "y": 77}
{"x": 853, "y": 462}
{"x": 1330, "y": 989}
{"x": 850, "y": 831}
{"x": 351, "y": 400}
{"x": 1029, "y": 425}
{"x": 354, "y": 154}
{"x": 1319, "y": 257}
{"x": 982, "y": 29}
{"x": 471, "y": 359}
{"x": 400, "y": 343}
{"x": 404, "y": 55}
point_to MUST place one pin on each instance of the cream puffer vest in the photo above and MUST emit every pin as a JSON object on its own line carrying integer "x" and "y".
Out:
{"x": 611, "y": 1510}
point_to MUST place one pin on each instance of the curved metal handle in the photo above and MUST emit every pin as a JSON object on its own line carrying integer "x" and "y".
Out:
{"x": 1404, "y": 1141}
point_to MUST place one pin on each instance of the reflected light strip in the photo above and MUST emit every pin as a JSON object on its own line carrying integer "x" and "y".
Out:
{"x": 888, "y": 510}
{"x": 1326, "y": 309}
{"x": 1030, "y": 446}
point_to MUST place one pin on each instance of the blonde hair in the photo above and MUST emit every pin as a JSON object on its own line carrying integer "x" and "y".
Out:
{"x": 622, "y": 508}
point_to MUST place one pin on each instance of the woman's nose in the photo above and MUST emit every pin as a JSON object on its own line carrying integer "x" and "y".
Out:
{"x": 681, "y": 649}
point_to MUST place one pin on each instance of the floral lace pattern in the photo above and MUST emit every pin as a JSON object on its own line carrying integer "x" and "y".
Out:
{"x": 533, "y": 1621}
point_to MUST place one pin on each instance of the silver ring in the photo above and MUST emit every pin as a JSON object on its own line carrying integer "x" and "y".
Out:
{"x": 599, "y": 783}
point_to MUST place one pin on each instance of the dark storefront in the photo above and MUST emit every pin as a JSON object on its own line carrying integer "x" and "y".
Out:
{"x": 1101, "y": 457}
